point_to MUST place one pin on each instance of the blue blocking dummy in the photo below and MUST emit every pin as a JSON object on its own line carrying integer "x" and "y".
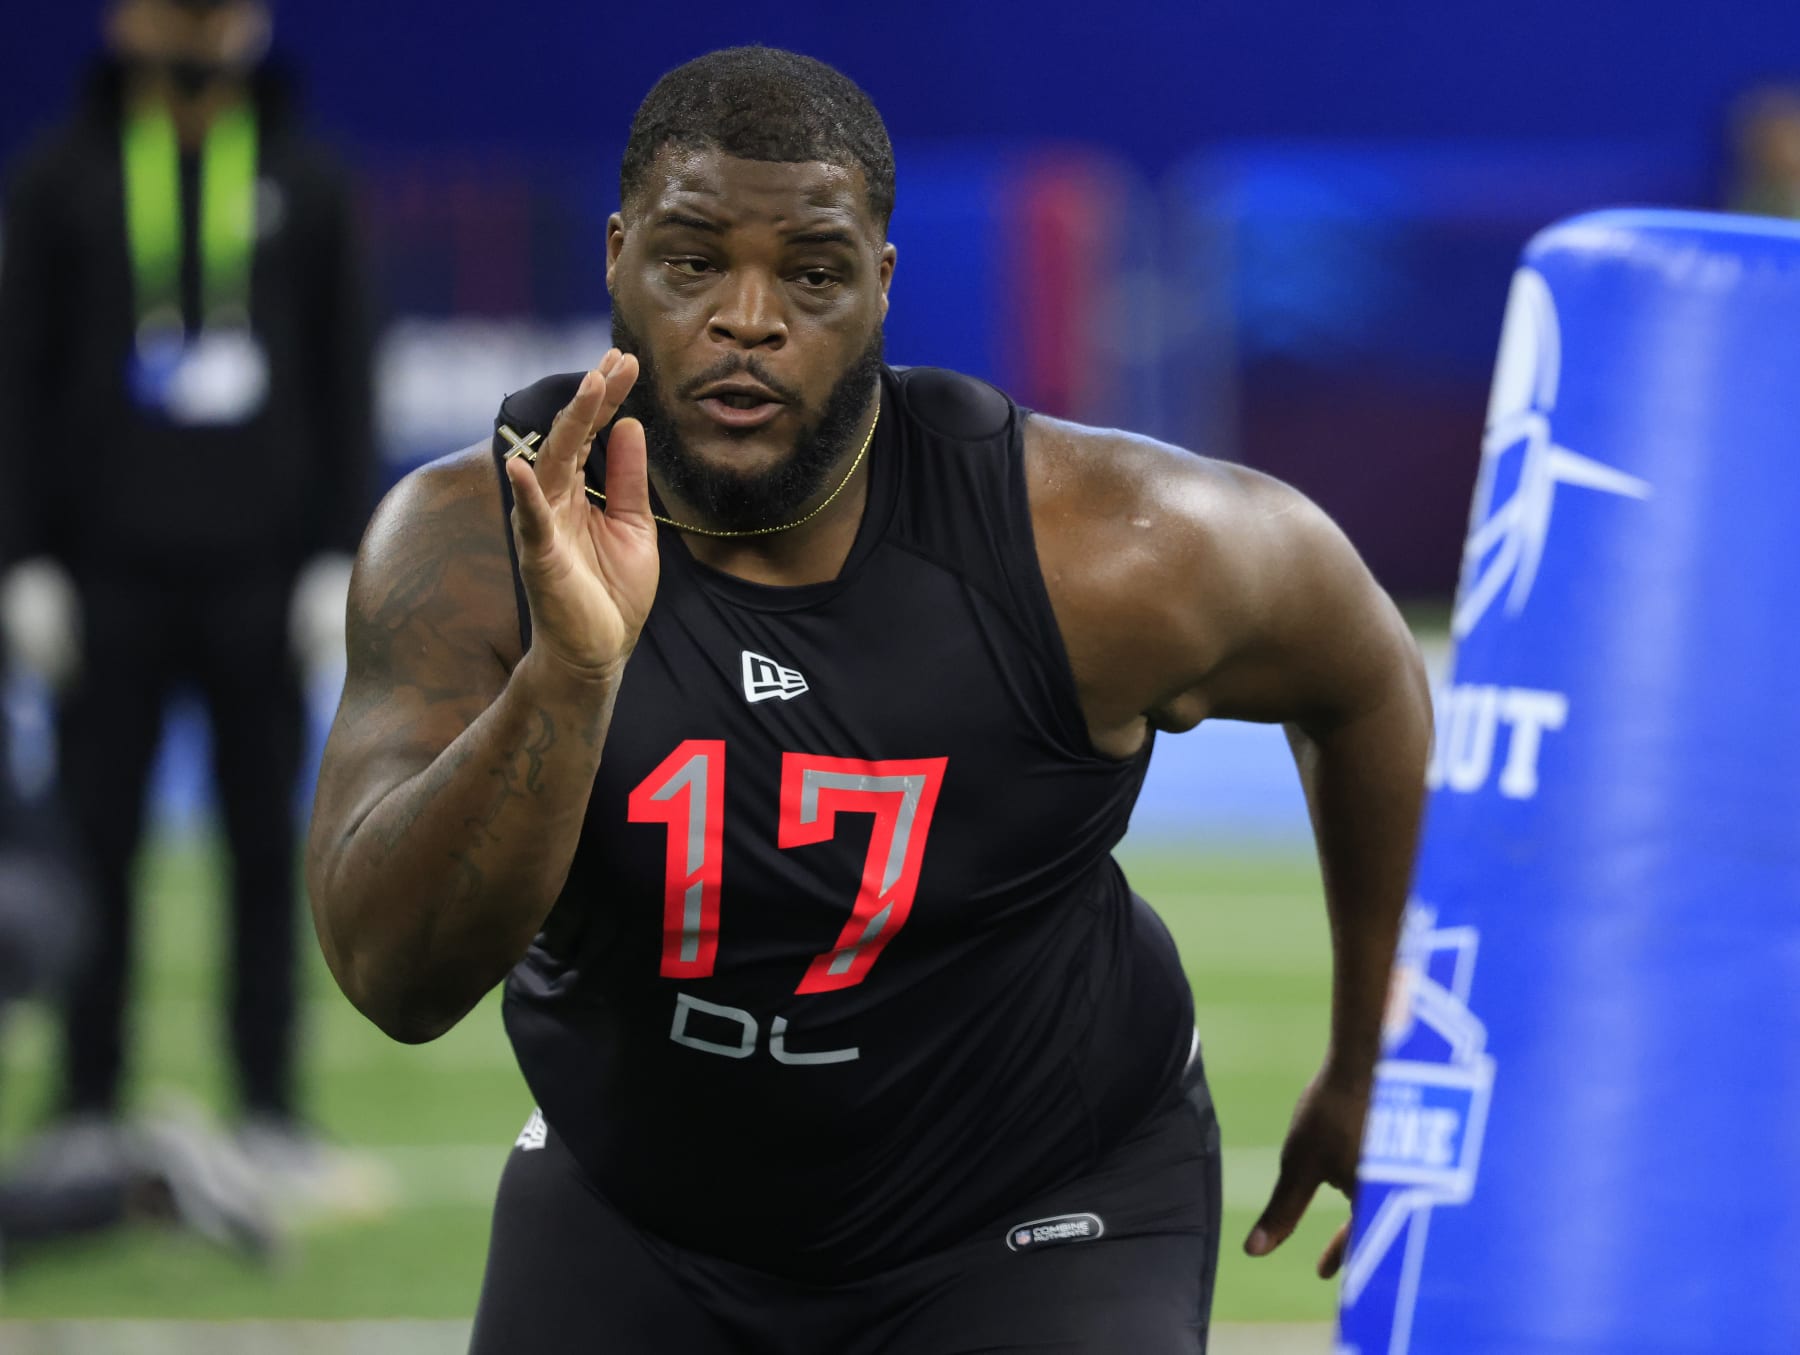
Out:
{"x": 1585, "y": 1134}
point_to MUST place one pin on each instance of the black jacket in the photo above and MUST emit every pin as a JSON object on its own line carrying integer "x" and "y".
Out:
{"x": 85, "y": 476}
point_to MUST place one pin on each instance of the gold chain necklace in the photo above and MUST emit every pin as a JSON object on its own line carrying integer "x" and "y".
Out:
{"x": 527, "y": 447}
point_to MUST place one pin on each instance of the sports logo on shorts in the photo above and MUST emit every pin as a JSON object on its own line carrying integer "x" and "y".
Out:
{"x": 764, "y": 678}
{"x": 1054, "y": 1231}
{"x": 1507, "y": 535}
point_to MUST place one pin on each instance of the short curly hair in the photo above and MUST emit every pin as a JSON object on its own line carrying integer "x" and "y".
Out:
{"x": 763, "y": 103}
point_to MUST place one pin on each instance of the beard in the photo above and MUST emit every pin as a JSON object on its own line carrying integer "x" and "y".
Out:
{"x": 722, "y": 497}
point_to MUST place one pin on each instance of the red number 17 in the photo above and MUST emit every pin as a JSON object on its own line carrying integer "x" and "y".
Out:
{"x": 687, "y": 793}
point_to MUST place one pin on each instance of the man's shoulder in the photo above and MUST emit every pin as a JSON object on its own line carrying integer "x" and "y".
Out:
{"x": 952, "y": 404}
{"x": 441, "y": 532}
{"x": 1138, "y": 538}
{"x": 532, "y": 409}
{"x": 462, "y": 487}
{"x": 1111, "y": 477}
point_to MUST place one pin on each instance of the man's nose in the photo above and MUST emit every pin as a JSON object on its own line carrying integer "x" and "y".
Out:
{"x": 750, "y": 313}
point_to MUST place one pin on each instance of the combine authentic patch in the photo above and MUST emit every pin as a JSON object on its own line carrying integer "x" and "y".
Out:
{"x": 1055, "y": 1231}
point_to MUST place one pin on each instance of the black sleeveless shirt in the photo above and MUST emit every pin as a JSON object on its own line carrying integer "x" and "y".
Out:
{"x": 844, "y": 969}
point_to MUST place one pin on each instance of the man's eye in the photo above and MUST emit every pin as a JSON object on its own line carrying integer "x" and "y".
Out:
{"x": 690, "y": 267}
{"x": 816, "y": 277}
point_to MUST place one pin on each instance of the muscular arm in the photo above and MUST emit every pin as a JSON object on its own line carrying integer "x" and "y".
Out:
{"x": 1189, "y": 589}
{"x": 456, "y": 775}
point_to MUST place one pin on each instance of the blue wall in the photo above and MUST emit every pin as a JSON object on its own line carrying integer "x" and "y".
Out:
{"x": 1275, "y": 231}
{"x": 1148, "y": 80}
{"x": 1306, "y": 212}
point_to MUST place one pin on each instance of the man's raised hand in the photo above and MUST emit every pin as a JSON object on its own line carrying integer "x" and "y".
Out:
{"x": 590, "y": 573}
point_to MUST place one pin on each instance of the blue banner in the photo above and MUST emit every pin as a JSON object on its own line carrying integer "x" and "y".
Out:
{"x": 1583, "y": 1138}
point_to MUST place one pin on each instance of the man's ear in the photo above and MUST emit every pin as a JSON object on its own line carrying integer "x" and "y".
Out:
{"x": 615, "y": 243}
{"x": 885, "y": 271}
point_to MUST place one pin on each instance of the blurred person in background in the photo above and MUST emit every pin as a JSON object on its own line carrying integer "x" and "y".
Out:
{"x": 166, "y": 1169}
{"x": 185, "y": 437}
{"x": 1765, "y": 170}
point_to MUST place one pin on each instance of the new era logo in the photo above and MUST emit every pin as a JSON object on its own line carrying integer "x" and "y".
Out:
{"x": 533, "y": 1135}
{"x": 764, "y": 678}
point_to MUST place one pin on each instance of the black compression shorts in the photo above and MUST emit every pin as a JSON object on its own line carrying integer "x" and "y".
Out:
{"x": 1121, "y": 1260}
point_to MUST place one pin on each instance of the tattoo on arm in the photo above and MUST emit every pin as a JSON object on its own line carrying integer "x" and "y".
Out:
{"x": 417, "y": 644}
{"x": 518, "y": 777}
{"x": 433, "y": 590}
{"x": 414, "y": 807}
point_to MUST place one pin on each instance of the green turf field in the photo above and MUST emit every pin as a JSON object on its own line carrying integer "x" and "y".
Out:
{"x": 1251, "y": 929}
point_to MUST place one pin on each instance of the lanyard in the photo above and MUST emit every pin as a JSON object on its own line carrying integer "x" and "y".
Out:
{"x": 152, "y": 164}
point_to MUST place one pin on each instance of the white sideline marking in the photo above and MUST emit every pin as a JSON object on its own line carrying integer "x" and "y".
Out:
{"x": 440, "y": 1338}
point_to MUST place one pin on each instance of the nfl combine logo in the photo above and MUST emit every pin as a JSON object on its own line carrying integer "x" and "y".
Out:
{"x": 1427, "y": 1118}
{"x": 1054, "y": 1232}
